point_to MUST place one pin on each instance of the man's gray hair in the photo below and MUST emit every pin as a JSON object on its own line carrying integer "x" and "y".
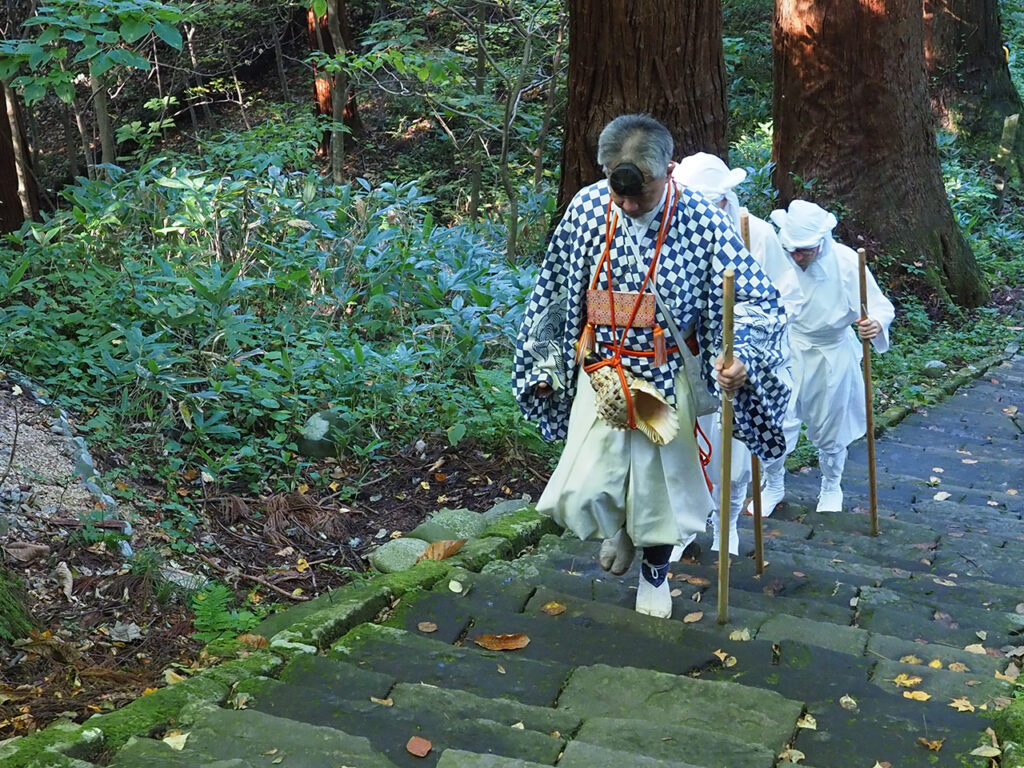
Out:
{"x": 637, "y": 139}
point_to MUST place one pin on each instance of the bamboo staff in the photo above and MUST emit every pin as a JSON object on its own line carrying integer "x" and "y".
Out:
{"x": 723, "y": 488}
{"x": 868, "y": 394}
{"x": 755, "y": 466}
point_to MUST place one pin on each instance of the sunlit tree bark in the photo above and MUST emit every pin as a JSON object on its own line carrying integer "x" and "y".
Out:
{"x": 661, "y": 57}
{"x": 854, "y": 133}
{"x": 971, "y": 88}
{"x": 19, "y": 198}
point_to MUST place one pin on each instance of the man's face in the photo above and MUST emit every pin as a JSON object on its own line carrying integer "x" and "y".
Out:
{"x": 636, "y": 206}
{"x": 804, "y": 257}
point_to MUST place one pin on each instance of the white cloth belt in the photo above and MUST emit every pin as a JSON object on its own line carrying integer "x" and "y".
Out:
{"x": 824, "y": 337}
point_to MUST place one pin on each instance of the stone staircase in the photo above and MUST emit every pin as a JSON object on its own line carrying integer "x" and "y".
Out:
{"x": 850, "y": 650}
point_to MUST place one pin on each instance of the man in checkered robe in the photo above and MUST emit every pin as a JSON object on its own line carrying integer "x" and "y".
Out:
{"x": 618, "y": 484}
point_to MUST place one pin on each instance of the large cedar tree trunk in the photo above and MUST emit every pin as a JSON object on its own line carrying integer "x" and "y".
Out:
{"x": 13, "y": 200}
{"x": 970, "y": 79}
{"x": 661, "y": 57}
{"x": 851, "y": 115}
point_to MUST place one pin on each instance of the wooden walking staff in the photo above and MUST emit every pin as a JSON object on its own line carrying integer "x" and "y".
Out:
{"x": 723, "y": 487}
{"x": 755, "y": 465}
{"x": 868, "y": 394}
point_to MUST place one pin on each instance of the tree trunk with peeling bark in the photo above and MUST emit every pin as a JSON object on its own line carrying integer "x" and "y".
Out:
{"x": 661, "y": 57}
{"x": 854, "y": 133}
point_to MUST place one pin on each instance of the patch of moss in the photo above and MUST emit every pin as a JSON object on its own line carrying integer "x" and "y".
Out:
{"x": 36, "y": 747}
{"x": 522, "y": 528}
{"x": 15, "y": 620}
{"x": 423, "y": 575}
{"x": 1009, "y": 727}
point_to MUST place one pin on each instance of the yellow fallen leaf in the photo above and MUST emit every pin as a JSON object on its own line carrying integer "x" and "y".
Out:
{"x": 935, "y": 663}
{"x": 719, "y": 654}
{"x": 962, "y": 704}
{"x": 302, "y": 488}
{"x": 906, "y": 681}
{"x": 388, "y": 702}
{"x": 808, "y": 722}
{"x": 791, "y": 755}
{"x": 1011, "y": 678}
{"x": 958, "y": 666}
{"x": 427, "y": 627}
{"x": 553, "y": 608}
{"x": 917, "y": 695}
{"x": 910, "y": 660}
{"x": 441, "y": 550}
{"x": 977, "y": 648}
{"x": 934, "y": 745}
{"x": 176, "y": 740}
{"x": 520, "y": 726}
{"x": 740, "y": 635}
{"x": 691, "y": 618}
{"x": 730, "y": 661}
{"x": 302, "y": 565}
{"x": 848, "y": 702}
{"x": 171, "y": 677}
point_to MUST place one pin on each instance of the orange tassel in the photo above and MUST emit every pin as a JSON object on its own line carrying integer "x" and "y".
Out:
{"x": 660, "y": 352}
{"x": 586, "y": 343}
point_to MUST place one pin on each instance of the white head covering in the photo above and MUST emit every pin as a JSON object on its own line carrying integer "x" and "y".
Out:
{"x": 804, "y": 225}
{"x": 710, "y": 176}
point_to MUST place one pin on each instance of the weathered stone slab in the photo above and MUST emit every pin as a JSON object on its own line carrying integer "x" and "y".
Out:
{"x": 844, "y": 639}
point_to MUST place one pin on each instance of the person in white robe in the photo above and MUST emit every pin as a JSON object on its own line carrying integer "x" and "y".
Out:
{"x": 826, "y": 342}
{"x": 709, "y": 175}
{"x": 636, "y": 235}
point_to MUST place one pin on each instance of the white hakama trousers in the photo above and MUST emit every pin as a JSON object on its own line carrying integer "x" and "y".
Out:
{"x": 607, "y": 478}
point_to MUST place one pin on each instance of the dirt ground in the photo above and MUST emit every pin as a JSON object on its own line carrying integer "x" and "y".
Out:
{"x": 110, "y": 626}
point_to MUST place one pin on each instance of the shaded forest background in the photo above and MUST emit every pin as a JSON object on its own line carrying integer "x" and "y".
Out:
{"x": 273, "y": 312}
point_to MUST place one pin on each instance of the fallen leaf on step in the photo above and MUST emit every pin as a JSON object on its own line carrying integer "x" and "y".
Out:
{"x": 958, "y": 666}
{"x": 441, "y": 550}
{"x": 935, "y": 663}
{"x": 791, "y": 755}
{"x": 553, "y": 608}
{"x": 427, "y": 627}
{"x": 740, "y": 635}
{"x": 691, "y": 618}
{"x": 934, "y": 745}
{"x": 944, "y": 582}
{"x": 176, "y": 740}
{"x": 969, "y": 461}
{"x": 388, "y": 702}
{"x": 848, "y": 702}
{"x": 418, "y": 747}
{"x": 941, "y": 496}
{"x": 910, "y": 660}
{"x": 906, "y": 681}
{"x": 807, "y": 721}
{"x": 962, "y": 704}
{"x": 977, "y": 648}
{"x": 502, "y": 642}
{"x": 917, "y": 695}
{"x": 1014, "y": 672}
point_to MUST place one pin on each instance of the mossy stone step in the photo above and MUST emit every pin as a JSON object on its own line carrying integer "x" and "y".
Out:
{"x": 463, "y": 705}
{"x": 265, "y": 740}
{"x": 950, "y": 588}
{"x": 763, "y": 717}
{"x": 416, "y": 658}
{"x": 579, "y": 754}
{"x": 808, "y": 608}
{"x": 388, "y": 725}
{"x": 888, "y": 613}
{"x": 858, "y": 523}
{"x": 458, "y": 758}
{"x": 941, "y": 684}
{"x": 341, "y": 678}
{"x": 151, "y": 753}
{"x": 665, "y": 741}
{"x": 1001, "y": 565}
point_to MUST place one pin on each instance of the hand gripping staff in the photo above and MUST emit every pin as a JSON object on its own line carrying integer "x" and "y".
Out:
{"x": 868, "y": 393}
{"x": 726, "y": 478}
{"x": 755, "y": 465}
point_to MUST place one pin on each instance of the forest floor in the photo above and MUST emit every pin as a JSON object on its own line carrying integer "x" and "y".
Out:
{"x": 110, "y": 627}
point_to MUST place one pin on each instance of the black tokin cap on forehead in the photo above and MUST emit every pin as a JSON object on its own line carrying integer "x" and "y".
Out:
{"x": 627, "y": 180}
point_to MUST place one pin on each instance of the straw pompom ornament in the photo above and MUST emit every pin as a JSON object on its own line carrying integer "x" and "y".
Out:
{"x": 653, "y": 416}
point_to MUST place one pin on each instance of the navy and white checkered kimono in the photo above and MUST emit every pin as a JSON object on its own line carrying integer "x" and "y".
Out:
{"x": 699, "y": 245}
